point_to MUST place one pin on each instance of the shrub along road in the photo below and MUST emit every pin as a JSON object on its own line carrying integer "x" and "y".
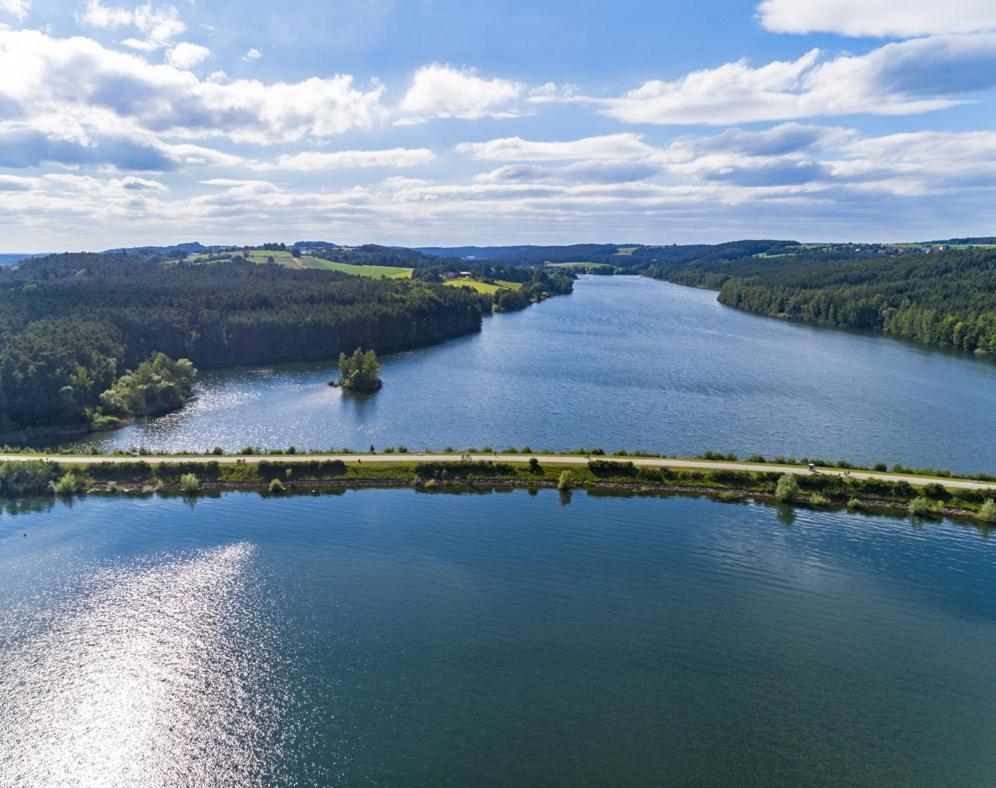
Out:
{"x": 553, "y": 459}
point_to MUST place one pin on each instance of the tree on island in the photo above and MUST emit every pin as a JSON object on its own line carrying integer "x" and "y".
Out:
{"x": 159, "y": 385}
{"x": 360, "y": 371}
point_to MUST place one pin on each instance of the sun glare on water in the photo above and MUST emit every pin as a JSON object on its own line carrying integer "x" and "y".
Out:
{"x": 160, "y": 673}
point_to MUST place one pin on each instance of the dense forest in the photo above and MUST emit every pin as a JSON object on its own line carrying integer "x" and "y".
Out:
{"x": 72, "y": 325}
{"x": 946, "y": 298}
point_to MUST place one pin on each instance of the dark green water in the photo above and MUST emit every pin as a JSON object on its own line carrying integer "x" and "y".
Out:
{"x": 396, "y": 638}
{"x": 623, "y": 363}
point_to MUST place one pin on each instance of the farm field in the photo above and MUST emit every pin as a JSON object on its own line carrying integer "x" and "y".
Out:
{"x": 487, "y": 288}
{"x": 372, "y": 271}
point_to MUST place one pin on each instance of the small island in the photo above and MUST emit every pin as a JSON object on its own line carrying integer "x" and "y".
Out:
{"x": 359, "y": 372}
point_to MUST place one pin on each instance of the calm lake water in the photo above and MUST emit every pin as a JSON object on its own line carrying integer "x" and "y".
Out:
{"x": 395, "y": 638}
{"x": 623, "y": 363}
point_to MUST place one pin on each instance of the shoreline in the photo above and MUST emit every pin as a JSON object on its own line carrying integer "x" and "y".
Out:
{"x": 23, "y": 476}
{"x": 914, "y": 477}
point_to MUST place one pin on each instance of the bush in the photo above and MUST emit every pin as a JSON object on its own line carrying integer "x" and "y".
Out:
{"x": 25, "y": 478}
{"x": 189, "y": 483}
{"x": 787, "y": 488}
{"x": 819, "y": 500}
{"x": 881, "y": 467}
{"x": 456, "y": 470}
{"x": 534, "y": 466}
{"x": 611, "y": 468}
{"x": 566, "y": 481}
{"x": 277, "y": 486}
{"x": 68, "y": 484}
{"x": 854, "y": 504}
{"x": 937, "y": 492}
{"x": 987, "y": 512}
{"x": 920, "y": 506}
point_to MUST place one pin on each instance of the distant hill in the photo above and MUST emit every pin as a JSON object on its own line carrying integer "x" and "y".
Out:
{"x": 315, "y": 245}
{"x": 475, "y": 252}
{"x": 531, "y": 255}
{"x": 14, "y": 258}
{"x": 193, "y": 247}
{"x": 987, "y": 241}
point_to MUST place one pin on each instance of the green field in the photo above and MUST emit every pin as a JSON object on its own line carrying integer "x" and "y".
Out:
{"x": 372, "y": 271}
{"x": 484, "y": 287}
{"x": 287, "y": 260}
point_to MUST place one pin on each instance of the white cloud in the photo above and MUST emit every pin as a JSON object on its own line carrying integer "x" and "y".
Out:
{"x": 16, "y": 8}
{"x": 76, "y": 89}
{"x": 160, "y": 26}
{"x": 134, "y": 184}
{"x": 439, "y": 91}
{"x": 251, "y": 55}
{"x": 900, "y": 18}
{"x": 186, "y": 55}
{"x": 789, "y": 159}
{"x": 919, "y": 75}
{"x": 16, "y": 183}
{"x": 609, "y": 146}
{"x": 312, "y": 161}
{"x": 801, "y": 180}
{"x": 576, "y": 172}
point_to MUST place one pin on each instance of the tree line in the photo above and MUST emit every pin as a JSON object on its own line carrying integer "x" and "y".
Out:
{"x": 946, "y": 298}
{"x": 72, "y": 325}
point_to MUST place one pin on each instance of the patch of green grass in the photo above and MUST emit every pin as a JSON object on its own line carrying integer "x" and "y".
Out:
{"x": 260, "y": 256}
{"x": 486, "y": 288}
{"x": 371, "y": 271}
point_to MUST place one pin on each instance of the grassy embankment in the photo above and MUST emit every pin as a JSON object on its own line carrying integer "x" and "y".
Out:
{"x": 273, "y": 474}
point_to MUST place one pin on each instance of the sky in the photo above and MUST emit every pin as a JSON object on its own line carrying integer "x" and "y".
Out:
{"x": 458, "y": 122}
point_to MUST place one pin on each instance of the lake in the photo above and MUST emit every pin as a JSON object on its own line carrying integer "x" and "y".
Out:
{"x": 623, "y": 363}
{"x": 395, "y": 638}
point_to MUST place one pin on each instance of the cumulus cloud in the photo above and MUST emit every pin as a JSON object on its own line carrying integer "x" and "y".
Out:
{"x": 251, "y": 55}
{"x": 577, "y": 172}
{"x": 909, "y": 77}
{"x": 23, "y": 146}
{"x": 726, "y": 184}
{"x": 608, "y": 146}
{"x": 159, "y": 26}
{"x": 133, "y": 184}
{"x": 14, "y": 183}
{"x": 313, "y": 161}
{"x": 786, "y": 160}
{"x": 439, "y": 91}
{"x": 75, "y": 88}
{"x": 16, "y": 8}
{"x": 899, "y": 18}
{"x": 186, "y": 55}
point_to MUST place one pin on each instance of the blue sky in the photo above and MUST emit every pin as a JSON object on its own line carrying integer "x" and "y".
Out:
{"x": 436, "y": 122}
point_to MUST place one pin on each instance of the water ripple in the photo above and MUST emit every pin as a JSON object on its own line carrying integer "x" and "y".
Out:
{"x": 158, "y": 673}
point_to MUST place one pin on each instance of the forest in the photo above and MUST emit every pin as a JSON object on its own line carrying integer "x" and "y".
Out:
{"x": 71, "y": 325}
{"x": 945, "y": 298}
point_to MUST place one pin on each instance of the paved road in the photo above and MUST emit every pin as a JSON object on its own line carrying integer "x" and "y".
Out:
{"x": 649, "y": 462}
